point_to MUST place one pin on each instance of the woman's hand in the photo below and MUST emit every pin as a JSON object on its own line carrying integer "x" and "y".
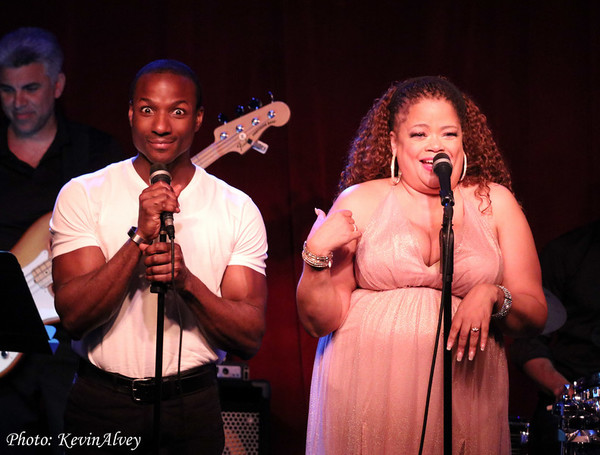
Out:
{"x": 323, "y": 294}
{"x": 330, "y": 232}
{"x": 471, "y": 322}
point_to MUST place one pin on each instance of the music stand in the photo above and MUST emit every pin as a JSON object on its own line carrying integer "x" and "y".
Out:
{"x": 21, "y": 327}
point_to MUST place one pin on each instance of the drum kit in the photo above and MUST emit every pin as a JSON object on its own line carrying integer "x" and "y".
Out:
{"x": 579, "y": 414}
{"x": 578, "y": 409}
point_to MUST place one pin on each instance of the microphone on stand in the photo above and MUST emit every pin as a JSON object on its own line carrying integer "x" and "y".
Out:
{"x": 159, "y": 173}
{"x": 442, "y": 166}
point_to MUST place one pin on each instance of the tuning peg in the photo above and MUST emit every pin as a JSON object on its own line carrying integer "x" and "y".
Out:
{"x": 271, "y": 96}
{"x": 255, "y": 104}
{"x": 239, "y": 110}
{"x": 222, "y": 118}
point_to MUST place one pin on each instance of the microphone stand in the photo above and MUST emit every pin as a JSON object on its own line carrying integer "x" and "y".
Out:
{"x": 447, "y": 269}
{"x": 160, "y": 289}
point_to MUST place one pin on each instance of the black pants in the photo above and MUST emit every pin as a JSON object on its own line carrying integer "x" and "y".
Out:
{"x": 99, "y": 420}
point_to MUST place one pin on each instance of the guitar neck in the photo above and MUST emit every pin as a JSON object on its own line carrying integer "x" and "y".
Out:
{"x": 210, "y": 154}
{"x": 239, "y": 143}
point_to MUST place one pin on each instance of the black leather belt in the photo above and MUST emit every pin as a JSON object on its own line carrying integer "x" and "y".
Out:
{"x": 144, "y": 390}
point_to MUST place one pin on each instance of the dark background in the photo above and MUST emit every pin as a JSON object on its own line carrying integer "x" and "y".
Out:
{"x": 533, "y": 67}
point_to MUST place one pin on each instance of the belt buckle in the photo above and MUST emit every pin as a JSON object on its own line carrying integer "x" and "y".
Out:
{"x": 140, "y": 395}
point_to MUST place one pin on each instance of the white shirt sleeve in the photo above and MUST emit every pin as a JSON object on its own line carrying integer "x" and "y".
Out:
{"x": 72, "y": 225}
{"x": 251, "y": 246}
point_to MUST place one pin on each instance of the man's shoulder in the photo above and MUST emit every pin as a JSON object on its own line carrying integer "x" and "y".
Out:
{"x": 581, "y": 234}
{"x": 99, "y": 177}
{"x": 219, "y": 185}
{"x": 570, "y": 249}
{"x": 85, "y": 147}
{"x": 76, "y": 129}
{"x": 221, "y": 195}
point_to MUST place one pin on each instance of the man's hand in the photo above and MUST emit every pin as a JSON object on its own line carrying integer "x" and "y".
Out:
{"x": 157, "y": 259}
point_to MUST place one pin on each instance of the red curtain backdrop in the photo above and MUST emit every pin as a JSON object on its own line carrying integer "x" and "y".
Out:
{"x": 532, "y": 66}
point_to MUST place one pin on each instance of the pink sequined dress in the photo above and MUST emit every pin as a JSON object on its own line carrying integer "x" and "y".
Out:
{"x": 370, "y": 376}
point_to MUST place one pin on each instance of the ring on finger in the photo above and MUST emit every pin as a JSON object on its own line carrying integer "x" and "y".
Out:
{"x": 475, "y": 329}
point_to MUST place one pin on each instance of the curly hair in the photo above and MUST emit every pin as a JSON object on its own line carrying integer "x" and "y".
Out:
{"x": 370, "y": 153}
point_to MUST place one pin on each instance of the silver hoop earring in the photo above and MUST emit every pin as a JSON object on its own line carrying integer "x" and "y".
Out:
{"x": 464, "y": 170}
{"x": 394, "y": 179}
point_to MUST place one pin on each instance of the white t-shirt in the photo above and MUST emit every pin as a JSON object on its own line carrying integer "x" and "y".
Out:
{"x": 218, "y": 226}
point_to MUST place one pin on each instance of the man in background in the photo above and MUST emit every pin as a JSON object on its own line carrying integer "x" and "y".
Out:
{"x": 570, "y": 270}
{"x": 40, "y": 150}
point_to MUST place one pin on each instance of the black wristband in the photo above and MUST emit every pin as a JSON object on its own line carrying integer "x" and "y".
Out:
{"x": 135, "y": 237}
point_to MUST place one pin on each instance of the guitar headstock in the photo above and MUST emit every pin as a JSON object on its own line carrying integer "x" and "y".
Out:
{"x": 243, "y": 133}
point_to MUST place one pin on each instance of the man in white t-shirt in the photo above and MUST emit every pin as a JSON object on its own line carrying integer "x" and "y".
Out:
{"x": 103, "y": 269}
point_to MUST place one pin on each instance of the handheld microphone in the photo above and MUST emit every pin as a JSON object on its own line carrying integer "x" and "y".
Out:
{"x": 159, "y": 173}
{"x": 442, "y": 166}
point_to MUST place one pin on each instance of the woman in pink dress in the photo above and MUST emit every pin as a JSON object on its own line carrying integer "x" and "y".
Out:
{"x": 371, "y": 284}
